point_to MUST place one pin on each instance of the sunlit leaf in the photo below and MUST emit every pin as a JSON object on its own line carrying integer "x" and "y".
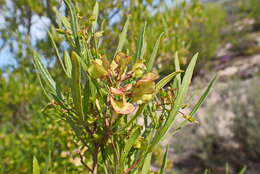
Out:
{"x": 36, "y": 168}
{"x": 75, "y": 84}
{"x": 74, "y": 23}
{"x": 178, "y": 102}
{"x": 58, "y": 54}
{"x": 68, "y": 64}
{"x": 243, "y": 171}
{"x": 164, "y": 162}
{"x": 140, "y": 44}
{"x": 147, "y": 163}
{"x": 166, "y": 80}
{"x": 154, "y": 53}
{"x": 177, "y": 80}
{"x": 203, "y": 97}
{"x": 95, "y": 16}
{"x": 122, "y": 37}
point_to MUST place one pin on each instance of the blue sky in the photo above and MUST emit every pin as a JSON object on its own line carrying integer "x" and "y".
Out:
{"x": 38, "y": 31}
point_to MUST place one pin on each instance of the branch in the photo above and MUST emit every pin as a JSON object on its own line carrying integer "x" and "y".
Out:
{"x": 95, "y": 158}
{"x": 132, "y": 167}
{"x": 29, "y": 14}
{"x": 83, "y": 163}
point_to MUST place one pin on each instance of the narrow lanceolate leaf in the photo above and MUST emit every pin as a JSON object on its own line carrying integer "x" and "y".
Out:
{"x": 154, "y": 53}
{"x": 95, "y": 16}
{"x": 197, "y": 105}
{"x": 166, "y": 80}
{"x": 36, "y": 168}
{"x": 74, "y": 23}
{"x": 178, "y": 102}
{"x": 243, "y": 171}
{"x": 147, "y": 163}
{"x": 206, "y": 171}
{"x": 75, "y": 84}
{"x": 57, "y": 53}
{"x": 68, "y": 65}
{"x": 43, "y": 88}
{"x": 50, "y": 85}
{"x": 163, "y": 166}
{"x": 140, "y": 44}
{"x": 203, "y": 97}
{"x": 66, "y": 23}
{"x": 177, "y": 80}
{"x": 122, "y": 37}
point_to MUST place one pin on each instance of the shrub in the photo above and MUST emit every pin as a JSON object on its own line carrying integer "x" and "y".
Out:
{"x": 252, "y": 8}
{"x": 205, "y": 37}
{"x": 114, "y": 106}
{"x": 247, "y": 121}
{"x": 230, "y": 127}
{"x": 25, "y": 132}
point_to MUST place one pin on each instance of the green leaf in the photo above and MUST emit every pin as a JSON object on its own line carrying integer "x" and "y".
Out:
{"x": 166, "y": 80}
{"x": 68, "y": 64}
{"x": 57, "y": 53}
{"x": 178, "y": 103}
{"x": 147, "y": 163}
{"x": 95, "y": 16}
{"x": 44, "y": 73}
{"x": 130, "y": 142}
{"x": 227, "y": 169}
{"x": 66, "y": 23}
{"x": 177, "y": 80}
{"x": 243, "y": 171}
{"x": 140, "y": 45}
{"x": 36, "y": 168}
{"x": 42, "y": 86}
{"x": 203, "y": 97}
{"x": 154, "y": 53}
{"x": 206, "y": 171}
{"x": 122, "y": 37}
{"x": 75, "y": 84}
{"x": 162, "y": 171}
{"x": 50, "y": 85}
{"x": 105, "y": 168}
{"x": 93, "y": 89}
{"x": 74, "y": 23}
{"x": 198, "y": 104}
{"x": 76, "y": 129}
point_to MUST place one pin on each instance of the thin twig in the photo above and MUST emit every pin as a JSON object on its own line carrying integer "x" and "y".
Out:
{"x": 83, "y": 163}
{"x": 132, "y": 167}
